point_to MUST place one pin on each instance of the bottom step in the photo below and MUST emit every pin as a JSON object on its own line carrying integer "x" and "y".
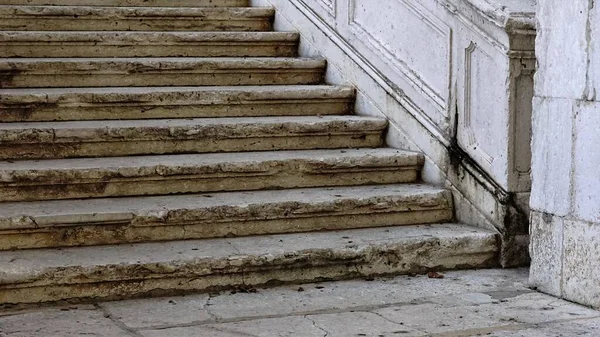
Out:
{"x": 133, "y": 270}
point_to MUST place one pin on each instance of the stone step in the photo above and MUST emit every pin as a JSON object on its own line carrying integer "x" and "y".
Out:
{"x": 147, "y": 44}
{"x": 56, "y": 104}
{"x": 131, "y": 3}
{"x": 166, "y": 268}
{"x": 87, "y": 18}
{"x": 202, "y": 135}
{"x": 88, "y": 222}
{"x": 175, "y": 71}
{"x": 197, "y": 173}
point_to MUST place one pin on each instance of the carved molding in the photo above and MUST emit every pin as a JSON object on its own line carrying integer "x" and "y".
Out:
{"x": 416, "y": 79}
{"x": 329, "y": 6}
{"x": 472, "y": 143}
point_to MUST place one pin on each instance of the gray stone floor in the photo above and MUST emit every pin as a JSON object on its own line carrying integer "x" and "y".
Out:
{"x": 471, "y": 303}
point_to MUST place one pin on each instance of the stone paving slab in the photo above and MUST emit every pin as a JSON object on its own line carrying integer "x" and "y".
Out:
{"x": 494, "y": 303}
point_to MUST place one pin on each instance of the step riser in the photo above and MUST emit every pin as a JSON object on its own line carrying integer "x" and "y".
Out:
{"x": 134, "y": 24}
{"x": 286, "y": 178}
{"x": 132, "y": 3}
{"x": 28, "y": 49}
{"x": 199, "y": 228}
{"x": 272, "y": 77}
{"x": 124, "y": 148}
{"x": 161, "y": 110}
{"x": 414, "y": 255}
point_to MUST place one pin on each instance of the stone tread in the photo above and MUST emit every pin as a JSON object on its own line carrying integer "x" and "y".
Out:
{"x": 202, "y": 135}
{"x": 161, "y": 129}
{"x": 139, "y": 166}
{"x": 217, "y": 215}
{"x": 131, "y": 3}
{"x": 148, "y": 38}
{"x": 208, "y": 172}
{"x": 32, "y": 104}
{"x": 214, "y": 206}
{"x": 81, "y": 12}
{"x": 135, "y": 269}
{"x": 95, "y": 18}
{"x": 146, "y": 44}
{"x": 179, "y": 71}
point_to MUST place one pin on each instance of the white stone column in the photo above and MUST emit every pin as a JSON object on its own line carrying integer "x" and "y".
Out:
{"x": 565, "y": 199}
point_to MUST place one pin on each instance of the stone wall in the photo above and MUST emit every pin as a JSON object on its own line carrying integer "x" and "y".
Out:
{"x": 565, "y": 202}
{"x": 455, "y": 80}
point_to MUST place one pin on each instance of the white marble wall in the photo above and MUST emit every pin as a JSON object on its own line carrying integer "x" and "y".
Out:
{"x": 565, "y": 200}
{"x": 453, "y": 77}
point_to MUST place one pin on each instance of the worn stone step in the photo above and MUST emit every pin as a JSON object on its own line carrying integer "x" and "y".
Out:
{"x": 202, "y": 135}
{"x": 89, "y": 18}
{"x": 166, "y": 268}
{"x": 131, "y": 3}
{"x": 230, "y": 214}
{"x": 56, "y": 104}
{"x": 196, "y": 173}
{"x": 147, "y": 44}
{"x": 175, "y": 71}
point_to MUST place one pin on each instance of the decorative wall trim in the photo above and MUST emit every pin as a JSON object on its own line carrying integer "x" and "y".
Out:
{"x": 416, "y": 80}
{"x": 384, "y": 81}
{"x": 472, "y": 143}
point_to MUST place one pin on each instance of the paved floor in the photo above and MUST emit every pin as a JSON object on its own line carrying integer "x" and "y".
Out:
{"x": 472, "y": 303}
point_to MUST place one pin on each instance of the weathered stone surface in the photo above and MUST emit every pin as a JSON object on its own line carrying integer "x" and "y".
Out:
{"x": 552, "y": 124}
{"x": 126, "y": 220}
{"x": 502, "y": 305}
{"x": 132, "y": 3}
{"x": 181, "y": 71}
{"x": 547, "y": 249}
{"x": 421, "y": 84}
{"x": 147, "y": 44}
{"x": 73, "y": 18}
{"x": 156, "y": 312}
{"x": 56, "y": 322}
{"x": 129, "y": 270}
{"x": 586, "y": 162}
{"x": 566, "y": 192}
{"x": 172, "y": 174}
{"x": 138, "y": 137}
{"x": 50, "y": 104}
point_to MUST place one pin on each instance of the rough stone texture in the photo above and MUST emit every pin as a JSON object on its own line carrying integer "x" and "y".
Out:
{"x": 552, "y": 124}
{"x": 51, "y": 104}
{"x": 565, "y": 172}
{"x": 121, "y": 271}
{"x": 432, "y": 86}
{"x": 126, "y": 220}
{"x": 210, "y": 172}
{"x": 138, "y": 137}
{"x": 181, "y": 71}
{"x": 147, "y": 44}
{"x": 135, "y": 142}
{"x": 471, "y": 303}
{"x": 73, "y": 18}
{"x": 132, "y": 3}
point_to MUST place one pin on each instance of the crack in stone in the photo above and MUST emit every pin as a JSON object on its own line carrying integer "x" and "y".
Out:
{"x": 316, "y": 326}
{"x": 108, "y": 315}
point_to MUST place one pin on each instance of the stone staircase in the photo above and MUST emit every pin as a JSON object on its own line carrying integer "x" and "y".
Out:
{"x": 150, "y": 150}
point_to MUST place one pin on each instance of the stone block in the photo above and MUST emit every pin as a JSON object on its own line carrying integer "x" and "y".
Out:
{"x": 581, "y": 262}
{"x": 561, "y": 53}
{"x": 551, "y": 162}
{"x": 361, "y": 324}
{"x": 160, "y": 312}
{"x": 587, "y": 162}
{"x": 57, "y": 322}
{"x": 546, "y": 253}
